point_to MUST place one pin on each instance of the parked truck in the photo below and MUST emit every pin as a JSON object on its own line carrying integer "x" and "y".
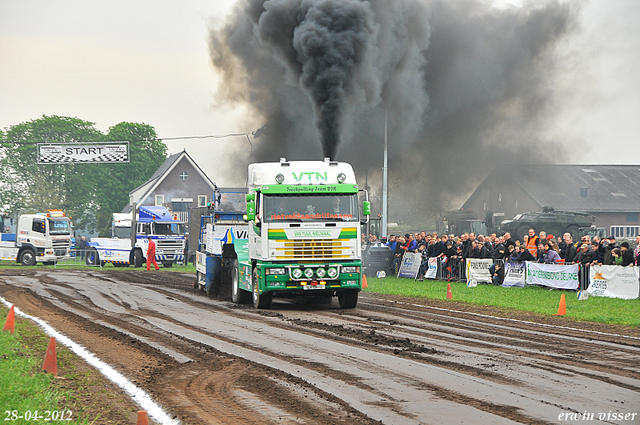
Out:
{"x": 462, "y": 221}
{"x": 39, "y": 238}
{"x": 303, "y": 235}
{"x": 123, "y": 248}
{"x": 551, "y": 221}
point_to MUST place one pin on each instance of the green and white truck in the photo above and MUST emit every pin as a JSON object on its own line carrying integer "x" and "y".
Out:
{"x": 304, "y": 234}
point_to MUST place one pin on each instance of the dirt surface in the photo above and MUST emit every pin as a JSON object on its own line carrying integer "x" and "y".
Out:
{"x": 391, "y": 360}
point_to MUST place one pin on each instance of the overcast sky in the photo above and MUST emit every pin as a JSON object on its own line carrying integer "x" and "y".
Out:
{"x": 148, "y": 61}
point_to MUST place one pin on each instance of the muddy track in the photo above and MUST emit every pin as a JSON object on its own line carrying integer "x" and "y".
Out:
{"x": 390, "y": 360}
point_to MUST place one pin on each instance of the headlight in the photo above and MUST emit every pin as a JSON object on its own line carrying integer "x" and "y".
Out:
{"x": 296, "y": 273}
{"x": 320, "y": 272}
{"x": 275, "y": 271}
{"x": 351, "y": 269}
{"x": 308, "y": 273}
{"x": 332, "y": 272}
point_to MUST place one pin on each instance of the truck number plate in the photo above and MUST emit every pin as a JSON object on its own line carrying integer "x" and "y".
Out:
{"x": 307, "y": 287}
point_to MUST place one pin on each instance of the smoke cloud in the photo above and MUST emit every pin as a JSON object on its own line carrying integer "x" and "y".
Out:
{"x": 466, "y": 87}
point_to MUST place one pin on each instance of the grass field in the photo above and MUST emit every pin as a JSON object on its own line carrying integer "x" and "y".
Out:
{"x": 530, "y": 298}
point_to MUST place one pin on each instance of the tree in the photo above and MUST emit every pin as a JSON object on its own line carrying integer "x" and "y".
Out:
{"x": 33, "y": 187}
{"x": 88, "y": 192}
{"x": 147, "y": 154}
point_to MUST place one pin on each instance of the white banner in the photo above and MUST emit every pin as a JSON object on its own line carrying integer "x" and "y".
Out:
{"x": 93, "y": 152}
{"x": 410, "y": 265}
{"x": 561, "y": 276}
{"x": 478, "y": 271}
{"x": 614, "y": 282}
{"x": 432, "y": 271}
{"x": 514, "y": 272}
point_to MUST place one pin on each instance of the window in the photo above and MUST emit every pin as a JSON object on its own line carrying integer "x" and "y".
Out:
{"x": 632, "y": 217}
{"x": 184, "y": 176}
{"x": 38, "y": 225}
{"x": 202, "y": 200}
{"x": 625, "y": 232}
{"x": 159, "y": 200}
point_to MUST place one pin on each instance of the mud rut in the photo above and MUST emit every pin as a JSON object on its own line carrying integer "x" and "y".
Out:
{"x": 390, "y": 360}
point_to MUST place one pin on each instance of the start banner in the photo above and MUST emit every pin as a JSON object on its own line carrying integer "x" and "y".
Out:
{"x": 478, "y": 271}
{"x": 560, "y": 276}
{"x": 514, "y": 272}
{"x": 410, "y": 265}
{"x": 614, "y": 282}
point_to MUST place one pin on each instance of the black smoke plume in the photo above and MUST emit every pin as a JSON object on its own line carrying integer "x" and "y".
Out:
{"x": 466, "y": 87}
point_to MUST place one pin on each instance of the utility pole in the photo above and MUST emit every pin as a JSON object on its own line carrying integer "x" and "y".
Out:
{"x": 383, "y": 223}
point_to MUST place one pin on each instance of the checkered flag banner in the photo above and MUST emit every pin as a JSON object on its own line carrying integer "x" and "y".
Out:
{"x": 88, "y": 153}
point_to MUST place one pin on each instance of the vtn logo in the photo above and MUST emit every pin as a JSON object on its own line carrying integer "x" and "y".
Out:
{"x": 319, "y": 178}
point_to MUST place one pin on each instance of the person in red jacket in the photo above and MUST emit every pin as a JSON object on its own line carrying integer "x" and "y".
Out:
{"x": 151, "y": 254}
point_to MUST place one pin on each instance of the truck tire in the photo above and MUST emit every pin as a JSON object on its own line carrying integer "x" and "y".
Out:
{"x": 137, "y": 258}
{"x": 92, "y": 258}
{"x": 226, "y": 278}
{"x": 28, "y": 257}
{"x": 238, "y": 296}
{"x": 348, "y": 298}
{"x": 574, "y": 231}
{"x": 261, "y": 301}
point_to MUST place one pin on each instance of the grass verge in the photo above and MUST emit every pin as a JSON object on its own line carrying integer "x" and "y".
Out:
{"x": 534, "y": 299}
{"x": 76, "y": 396}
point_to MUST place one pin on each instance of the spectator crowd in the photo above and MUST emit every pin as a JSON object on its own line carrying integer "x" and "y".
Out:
{"x": 538, "y": 247}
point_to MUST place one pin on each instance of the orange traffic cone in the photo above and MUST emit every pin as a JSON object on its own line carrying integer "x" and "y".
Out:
{"x": 364, "y": 281}
{"x": 449, "y": 293}
{"x": 143, "y": 418}
{"x": 10, "y": 324}
{"x": 562, "y": 307}
{"x": 50, "y": 359}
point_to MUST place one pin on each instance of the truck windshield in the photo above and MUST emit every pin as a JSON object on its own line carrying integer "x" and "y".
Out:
{"x": 168, "y": 228}
{"x": 339, "y": 207}
{"x": 59, "y": 226}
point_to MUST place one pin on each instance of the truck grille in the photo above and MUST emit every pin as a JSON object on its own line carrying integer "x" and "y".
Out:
{"x": 312, "y": 249}
{"x": 61, "y": 243}
{"x": 170, "y": 245}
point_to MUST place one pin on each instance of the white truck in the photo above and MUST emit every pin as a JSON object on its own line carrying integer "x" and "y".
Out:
{"x": 167, "y": 232}
{"x": 304, "y": 234}
{"x": 39, "y": 238}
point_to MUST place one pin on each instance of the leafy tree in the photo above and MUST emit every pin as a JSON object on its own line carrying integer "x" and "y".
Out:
{"x": 89, "y": 192}
{"x": 147, "y": 154}
{"x": 29, "y": 186}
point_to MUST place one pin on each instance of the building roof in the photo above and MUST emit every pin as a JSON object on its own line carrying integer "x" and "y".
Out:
{"x": 142, "y": 192}
{"x": 588, "y": 188}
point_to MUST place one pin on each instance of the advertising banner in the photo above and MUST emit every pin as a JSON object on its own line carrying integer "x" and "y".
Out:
{"x": 614, "y": 282}
{"x": 432, "y": 271}
{"x": 514, "y": 272}
{"x": 560, "y": 276}
{"x": 478, "y": 271}
{"x": 410, "y": 265}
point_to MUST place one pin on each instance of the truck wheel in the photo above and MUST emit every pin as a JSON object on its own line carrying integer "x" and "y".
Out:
{"x": 238, "y": 295}
{"x": 137, "y": 258}
{"x": 261, "y": 301}
{"x": 574, "y": 231}
{"x": 348, "y": 298}
{"x": 28, "y": 258}
{"x": 91, "y": 259}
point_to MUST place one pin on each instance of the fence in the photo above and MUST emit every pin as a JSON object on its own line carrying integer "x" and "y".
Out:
{"x": 454, "y": 270}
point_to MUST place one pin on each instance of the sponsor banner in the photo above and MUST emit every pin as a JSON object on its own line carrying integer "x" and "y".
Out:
{"x": 75, "y": 152}
{"x": 410, "y": 265}
{"x": 514, "y": 272}
{"x": 614, "y": 282}
{"x": 478, "y": 270}
{"x": 561, "y": 276}
{"x": 432, "y": 271}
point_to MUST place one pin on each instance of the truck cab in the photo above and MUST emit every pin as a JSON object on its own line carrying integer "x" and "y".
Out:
{"x": 43, "y": 238}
